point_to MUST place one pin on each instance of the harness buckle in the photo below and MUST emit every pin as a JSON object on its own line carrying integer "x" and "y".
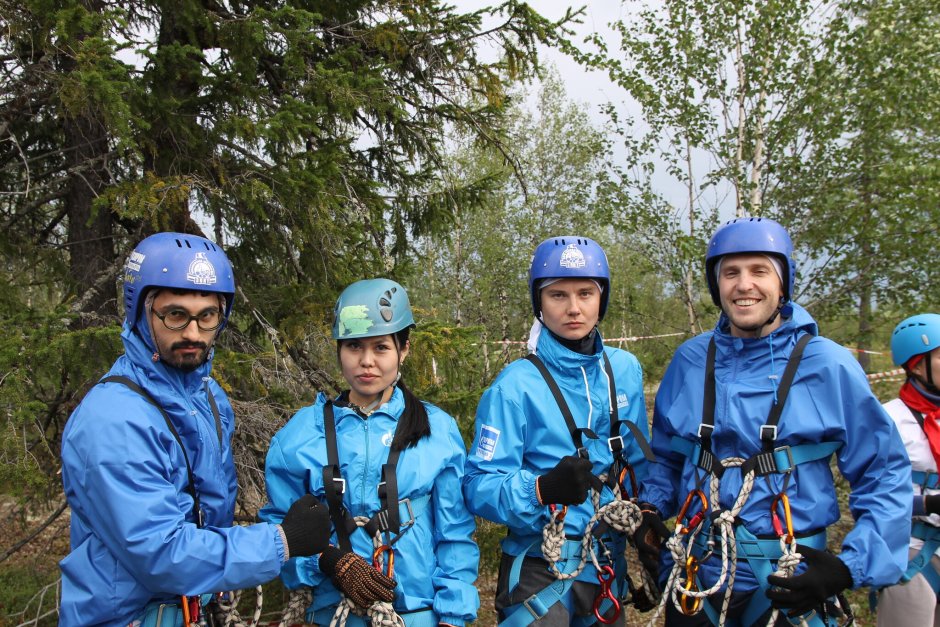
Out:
{"x": 342, "y": 485}
{"x": 618, "y": 440}
{"x": 768, "y": 433}
{"x": 790, "y": 463}
{"x": 535, "y": 614}
{"x": 705, "y": 430}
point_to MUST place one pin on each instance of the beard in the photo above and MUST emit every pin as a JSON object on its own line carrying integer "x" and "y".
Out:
{"x": 187, "y": 362}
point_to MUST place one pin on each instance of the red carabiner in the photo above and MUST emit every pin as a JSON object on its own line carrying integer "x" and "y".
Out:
{"x": 697, "y": 518}
{"x": 605, "y": 577}
{"x": 552, "y": 508}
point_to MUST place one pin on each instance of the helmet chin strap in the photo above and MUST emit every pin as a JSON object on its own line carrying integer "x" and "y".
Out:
{"x": 760, "y": 327}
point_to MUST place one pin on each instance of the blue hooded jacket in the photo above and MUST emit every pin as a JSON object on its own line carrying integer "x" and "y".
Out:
{"x": 133, "y": 536}
{"x": 829, "y": 401}
{"x": 521, "y": 435}
{"x": 435, "y": 559}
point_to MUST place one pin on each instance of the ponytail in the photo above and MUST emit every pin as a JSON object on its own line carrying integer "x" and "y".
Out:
{"x": 414, "y": 419}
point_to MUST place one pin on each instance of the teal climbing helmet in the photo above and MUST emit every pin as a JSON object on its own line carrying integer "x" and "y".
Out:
{"x": 371, "y": 307}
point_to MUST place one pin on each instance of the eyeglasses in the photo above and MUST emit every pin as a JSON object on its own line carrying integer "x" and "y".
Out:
{"x": 179, "y": 319}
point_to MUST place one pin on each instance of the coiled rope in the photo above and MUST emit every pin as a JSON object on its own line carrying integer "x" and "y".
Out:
{"x": 623, "y": 515}
{"x": 723, "y": 526}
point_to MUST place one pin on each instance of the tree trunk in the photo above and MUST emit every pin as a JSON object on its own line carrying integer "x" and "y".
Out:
{"x": 90, "y": 235}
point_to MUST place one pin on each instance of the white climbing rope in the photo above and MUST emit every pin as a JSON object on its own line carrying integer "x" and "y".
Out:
{"x": 381, "y": 613}
{"x": 621, "y": 514}
{"x": 678, "y": 587}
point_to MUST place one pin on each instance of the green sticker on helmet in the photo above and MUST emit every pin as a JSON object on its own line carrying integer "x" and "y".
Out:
{"x": 354, "y": 320}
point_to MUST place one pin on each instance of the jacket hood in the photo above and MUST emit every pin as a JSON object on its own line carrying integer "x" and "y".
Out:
{"x": 795, "y": 320}
{"x": 140, "y": 351}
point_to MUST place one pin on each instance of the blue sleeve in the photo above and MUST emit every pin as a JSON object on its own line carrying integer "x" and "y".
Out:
{"x": 285, "y": 484}
{"x": 127, "y": 495}
{"x": 663, "y": 475}
{"x": 497, "y": 486}
{"x": 875, "y": 463}
{"x": 456, "y": 598}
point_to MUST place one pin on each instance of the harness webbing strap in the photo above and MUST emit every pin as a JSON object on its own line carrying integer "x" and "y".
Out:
{"x": 615, "y": 441}
{"x": 768, "y": 431}
{"x": 332, "y": 477}
{"x": 926, "y": 479}
{"x": 388, "y": 518}
{"x": 573, "y": 428}
{"x": 191, "y": 488}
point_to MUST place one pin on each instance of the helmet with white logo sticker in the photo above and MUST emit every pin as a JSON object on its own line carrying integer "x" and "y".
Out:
{"x": 751, "y": 235}
{"x": 569, "y": 257}
{"x": 176, "y": 261}
{"x": 370, "y": 308}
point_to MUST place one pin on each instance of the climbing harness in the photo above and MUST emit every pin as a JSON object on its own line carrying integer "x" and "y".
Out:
{"x": 712, "y": 532}
{"x": 567, "y": 558}
{"x": 385, "y": 527}
{"x": 194, "y": 610}
{"x": 391, "y": 520}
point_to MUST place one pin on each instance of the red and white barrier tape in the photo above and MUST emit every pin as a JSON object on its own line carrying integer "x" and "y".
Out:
{"x": 887, "y": 374}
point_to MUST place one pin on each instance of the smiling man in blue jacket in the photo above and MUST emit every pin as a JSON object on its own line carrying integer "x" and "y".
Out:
{"x": 528, "y": 456}
{"x": 764, "y": 396}
{"x": 147, "y": 459}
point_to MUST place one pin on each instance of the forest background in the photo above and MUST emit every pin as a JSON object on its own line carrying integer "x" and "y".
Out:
{"x": 324, "y": 141}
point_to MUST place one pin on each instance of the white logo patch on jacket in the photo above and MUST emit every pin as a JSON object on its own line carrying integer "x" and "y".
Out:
{"x": 622, "y": 401}
{"x": 489, "y": 436}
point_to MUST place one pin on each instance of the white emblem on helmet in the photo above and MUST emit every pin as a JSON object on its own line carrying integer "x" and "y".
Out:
{"x": 572, "y": 257}
{"x": 201, "y": 271}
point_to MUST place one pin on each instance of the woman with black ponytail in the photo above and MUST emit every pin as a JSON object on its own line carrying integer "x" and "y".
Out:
{"x": 377, "y": 453}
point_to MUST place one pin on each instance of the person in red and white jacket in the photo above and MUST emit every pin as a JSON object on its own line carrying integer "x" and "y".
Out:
{"x": 915, "y": 346}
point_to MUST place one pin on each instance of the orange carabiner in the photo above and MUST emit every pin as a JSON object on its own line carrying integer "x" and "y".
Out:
{"x": 553, "y": 508}
{"x": 787, "y": 516}
{"x": 634, "y": 486}
{"x": 606, "y": 577}
{"x": 377, "y": 560}
{"x": 697, "y": 518}
{"x": 690, "y": 605}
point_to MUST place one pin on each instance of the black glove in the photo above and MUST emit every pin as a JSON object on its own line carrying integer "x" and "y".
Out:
{"x": 825, "y": 576}
{"x": 931, "y": 503}
{"x": 567, "y": 483}
{"x": 649, "y": 538}
{"x": 306, "y": 527}
{"x": 354, "y": 577}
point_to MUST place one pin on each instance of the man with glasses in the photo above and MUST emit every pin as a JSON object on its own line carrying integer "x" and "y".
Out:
{"x": 147, "y": 460}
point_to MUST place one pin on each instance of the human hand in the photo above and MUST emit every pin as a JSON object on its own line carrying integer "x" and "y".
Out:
{"x": 355, "y": 578}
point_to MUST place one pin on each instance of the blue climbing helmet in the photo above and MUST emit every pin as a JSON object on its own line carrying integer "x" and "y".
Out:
{"x": 750, "y": 235}
{"x": 914, "y": 336}
{"x": 569, "y": 257}
{"x": 371, "y": 307}
{"x": 176, "y": 261}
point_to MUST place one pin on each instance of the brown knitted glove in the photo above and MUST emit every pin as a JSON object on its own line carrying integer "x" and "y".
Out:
{"x": 355, "y": 578}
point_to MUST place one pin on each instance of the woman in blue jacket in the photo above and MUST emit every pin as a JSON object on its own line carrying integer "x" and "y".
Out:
{"x": 526, "y": 459}
{"x": 378, "y": 454}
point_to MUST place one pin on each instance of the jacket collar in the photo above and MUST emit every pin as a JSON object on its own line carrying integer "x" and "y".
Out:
{"x": 796, "y": 321}
{"x": 551, "y": 351}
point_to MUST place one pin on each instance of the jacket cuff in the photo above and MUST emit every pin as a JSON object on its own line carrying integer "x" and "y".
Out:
{"x": 531, "y": 493}
{"x": 282, "y": 549}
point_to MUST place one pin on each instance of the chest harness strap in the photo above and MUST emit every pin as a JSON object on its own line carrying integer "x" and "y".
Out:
{"x": 568, "y": 557}
{"x": 688, "y": 544}
{"x": 189, "y": 608}
{"x": 392, "y": 520}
